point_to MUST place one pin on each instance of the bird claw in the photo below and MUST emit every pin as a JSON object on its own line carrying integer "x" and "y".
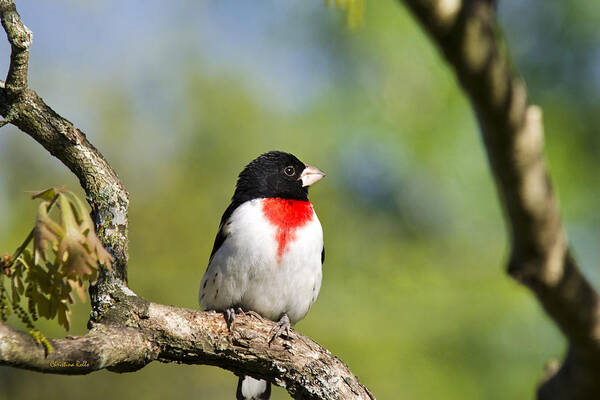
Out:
{"x": 230, "y": 317}
{"x": 231, "y": 313}
{"x": 253, "y": 314}
{"x": 282, "y": 325}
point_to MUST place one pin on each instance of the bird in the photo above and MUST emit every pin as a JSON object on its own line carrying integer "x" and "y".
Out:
{"x": 268, "y": 253}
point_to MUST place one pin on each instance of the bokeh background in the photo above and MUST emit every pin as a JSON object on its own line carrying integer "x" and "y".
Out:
{"x": 179, "y": 96}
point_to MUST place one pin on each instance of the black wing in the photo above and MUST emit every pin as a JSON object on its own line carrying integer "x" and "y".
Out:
{"x": 323, "y": 255}
{"x": 221, "y": 235}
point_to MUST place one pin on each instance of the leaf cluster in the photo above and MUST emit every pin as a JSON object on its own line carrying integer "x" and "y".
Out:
{"x": 72, "y": 243}
{"x": 65, "y": 254}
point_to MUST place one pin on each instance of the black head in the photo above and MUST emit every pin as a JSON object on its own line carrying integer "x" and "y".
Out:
{"x": 276, "y": 174}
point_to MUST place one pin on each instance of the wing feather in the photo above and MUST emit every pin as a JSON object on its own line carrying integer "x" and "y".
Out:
{"x": 222, "y": 233}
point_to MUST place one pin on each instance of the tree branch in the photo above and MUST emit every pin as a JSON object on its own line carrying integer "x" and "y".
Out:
{"x": 468, "y": 35}
{"x": 20, "y": 38}
{"x": 136, "y": 332}
{"x": 126, "y": 331}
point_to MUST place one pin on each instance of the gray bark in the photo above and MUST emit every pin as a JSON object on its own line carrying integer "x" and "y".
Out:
{"x": 136, "y": 332}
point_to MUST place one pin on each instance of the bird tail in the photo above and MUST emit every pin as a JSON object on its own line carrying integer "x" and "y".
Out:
{"x": 253, "y": 389}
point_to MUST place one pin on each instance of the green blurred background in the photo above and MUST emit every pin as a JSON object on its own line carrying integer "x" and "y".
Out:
{"x": 179, "y": 96}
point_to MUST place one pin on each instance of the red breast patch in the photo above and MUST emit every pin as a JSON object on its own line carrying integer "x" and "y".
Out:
{"x": 287, "y": 216}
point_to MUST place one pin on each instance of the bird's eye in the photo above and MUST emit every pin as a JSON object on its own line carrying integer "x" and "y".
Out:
{"x": 289, "y": 171}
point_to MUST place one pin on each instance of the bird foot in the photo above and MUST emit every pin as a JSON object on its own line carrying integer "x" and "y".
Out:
{"x": 283, "y": 325}
{"x": 231, "y": 313}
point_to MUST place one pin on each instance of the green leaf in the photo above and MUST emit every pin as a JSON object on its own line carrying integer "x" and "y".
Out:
{"x": 80, "y": 212}
{"x": 41, "y": 278}
{"x": 18, "y": 269}
{"x": 80, "y": 249}
{"x": 14, "y": 290}
{"x": 46, "y": 232}
{"x": 27, "y": 258}
{"x": 47, "y": 194}
{"x": 20, "y": 286}
{"x": 76, "y": 259}
{"x": 64, "y": 315}
{"x": 54, "y": 302}
{"x": 92, "y": 243}
{"x": 43, "y": 306}
{"x": 78, "y": 287}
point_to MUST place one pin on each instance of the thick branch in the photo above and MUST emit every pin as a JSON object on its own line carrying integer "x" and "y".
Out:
{"x": 102, "y": 347}
{"x": 135, "y": 332}
{"x": 467, "y": 34}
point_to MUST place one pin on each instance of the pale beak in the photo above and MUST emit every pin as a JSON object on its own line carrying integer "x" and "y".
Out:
{"x": 311, "y": 175}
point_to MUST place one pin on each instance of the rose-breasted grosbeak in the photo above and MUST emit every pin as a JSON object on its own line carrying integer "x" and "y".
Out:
{"x": 268, "y": 253}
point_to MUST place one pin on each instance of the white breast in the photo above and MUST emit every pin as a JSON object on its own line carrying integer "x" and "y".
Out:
{"x": 246, "y": 271}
